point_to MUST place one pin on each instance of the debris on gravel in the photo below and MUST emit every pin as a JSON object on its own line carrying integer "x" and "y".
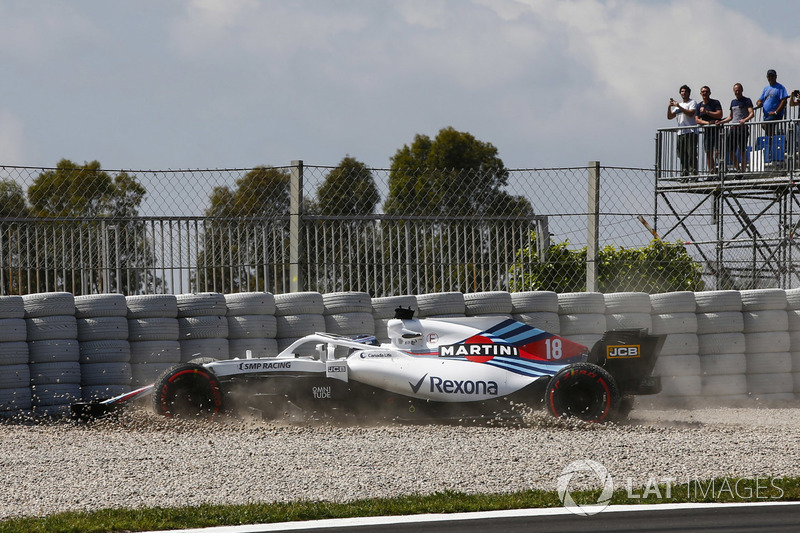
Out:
{"x": 140, "y": 460}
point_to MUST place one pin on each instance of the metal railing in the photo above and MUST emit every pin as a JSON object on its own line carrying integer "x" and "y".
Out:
{"x": 380, "y": 254}
{"x": 726, "y": 152}
{"x": 85, "y": 229}
{"x": 415, "y": 255}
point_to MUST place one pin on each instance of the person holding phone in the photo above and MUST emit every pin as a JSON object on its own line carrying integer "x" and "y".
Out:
{"x": 684, "y": 112}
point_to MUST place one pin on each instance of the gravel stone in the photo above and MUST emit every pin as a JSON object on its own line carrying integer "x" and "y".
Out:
{"x": 141, "y": 460}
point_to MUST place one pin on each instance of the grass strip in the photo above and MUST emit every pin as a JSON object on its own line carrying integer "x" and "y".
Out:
{"x": 719, "y": 490}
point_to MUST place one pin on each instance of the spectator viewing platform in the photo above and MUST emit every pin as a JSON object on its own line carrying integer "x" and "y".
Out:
{"x": 757, "y": 155}
{"x": 731, "y": 196}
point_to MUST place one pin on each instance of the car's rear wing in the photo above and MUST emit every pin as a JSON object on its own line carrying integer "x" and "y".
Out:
{"x": 630, "y": 356}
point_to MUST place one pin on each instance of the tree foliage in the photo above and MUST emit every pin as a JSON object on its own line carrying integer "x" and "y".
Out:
{"x": 457, "y": 183}
{"x": 99, "y": 243}
{"x": 454, "y": 174}
{"x": 72, "y": 190}
{"x": 12, "y": 200}
{"x": 348, "y": 190}
{"x": 12, "y": 206}
{"x": 658, "y": 267}
{"x": 246, "y": 232}
{"x": 262, "y": 192}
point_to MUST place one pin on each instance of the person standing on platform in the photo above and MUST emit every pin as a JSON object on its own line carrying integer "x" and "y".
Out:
{"x": 709, "y": 113}
{"x": 684, "y": 111}
{"x": 773, "y": 98}
{"x": 739, "y": 133}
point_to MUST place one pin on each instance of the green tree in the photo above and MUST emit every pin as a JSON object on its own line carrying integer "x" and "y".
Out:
{"x": 454, "y": 174}
{"x": 12, "y": 200}
{"x": 658, "y": 267}
{"x": 262, "y": 192}
{"x": 563, "y": 270}
{"x": 246, "y": 225}
{"x": 72, "y": 190}
{"x": 342, "y": 260}
{"x": 348, "y": 190}
{"x": 89, "y": 233}
{"x": 448, "y": 199}
{"x": 12, "y": 236}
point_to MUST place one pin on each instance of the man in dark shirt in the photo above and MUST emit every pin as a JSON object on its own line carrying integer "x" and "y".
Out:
{"x": 741, "y": 113}
{"x": 709, "y": 113}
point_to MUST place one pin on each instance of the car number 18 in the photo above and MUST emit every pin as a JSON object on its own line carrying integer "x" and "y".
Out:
{"x": 553, "y": 348}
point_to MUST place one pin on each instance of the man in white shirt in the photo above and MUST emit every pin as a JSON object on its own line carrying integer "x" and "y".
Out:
{"x": 684, "y": 112}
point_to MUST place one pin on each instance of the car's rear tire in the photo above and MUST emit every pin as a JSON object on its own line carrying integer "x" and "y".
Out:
{"x": 584, "y": 391}
{"x": 188, "y": 390}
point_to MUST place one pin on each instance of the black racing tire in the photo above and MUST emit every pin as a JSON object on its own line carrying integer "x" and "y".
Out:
{"x": 584, "y": 391}
{"x": 188, "y": 390}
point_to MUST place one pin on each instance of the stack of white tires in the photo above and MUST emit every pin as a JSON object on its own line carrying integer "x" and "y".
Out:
{"x": 348, "y": 313}
{"x": 203, "y": 326}
{"x": 488, "y": 303}
{"x": 15, "y": 375}
{"x": 582, "y": 317}
{"x": 383, "y": 310}
{"x": 538, "y": 309}
{"x": 721, "y": 340}
{"x": 298, "y": 314}
{"x": 251, "y": 324}
{"x": 628, "y": 310}
{"x": 768, "y": 344}
{"x": 105, "y": 353}
{"x": 678, "y": 364}
{"x": 153, "y": 336}
{"x": 441, "y": 304}
{"x": 53, "y": 351}
{"x": 793, "y": 316}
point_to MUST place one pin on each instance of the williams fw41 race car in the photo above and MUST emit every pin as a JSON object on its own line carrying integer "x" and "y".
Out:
{"x": 433, "y": 368}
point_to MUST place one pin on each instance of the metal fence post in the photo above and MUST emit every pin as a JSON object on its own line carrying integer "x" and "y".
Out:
{"x": 409, "y": 288}
{"x": 295, "y": 212}
{"x": 542, "y": 238}
{"x": 593, "y": 226}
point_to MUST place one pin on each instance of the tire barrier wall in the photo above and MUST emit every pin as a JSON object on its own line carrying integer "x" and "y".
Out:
{"x": 729, "y": 346}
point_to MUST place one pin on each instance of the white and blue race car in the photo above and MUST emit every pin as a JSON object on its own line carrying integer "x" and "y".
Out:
{"x": 433, "y": 368}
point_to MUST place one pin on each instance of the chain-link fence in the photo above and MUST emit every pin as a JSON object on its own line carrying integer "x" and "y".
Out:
{"x": 84, "y": 229}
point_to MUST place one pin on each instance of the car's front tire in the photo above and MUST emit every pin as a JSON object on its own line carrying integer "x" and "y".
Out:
{"x": 188, "y": 390}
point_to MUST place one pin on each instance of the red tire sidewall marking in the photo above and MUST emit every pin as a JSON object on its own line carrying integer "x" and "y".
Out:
{"x": 569, "y": 374}
{"x": 211, "y": 380}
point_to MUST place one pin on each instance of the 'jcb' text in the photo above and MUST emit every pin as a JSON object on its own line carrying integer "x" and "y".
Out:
{"x": 620, "y": 352}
